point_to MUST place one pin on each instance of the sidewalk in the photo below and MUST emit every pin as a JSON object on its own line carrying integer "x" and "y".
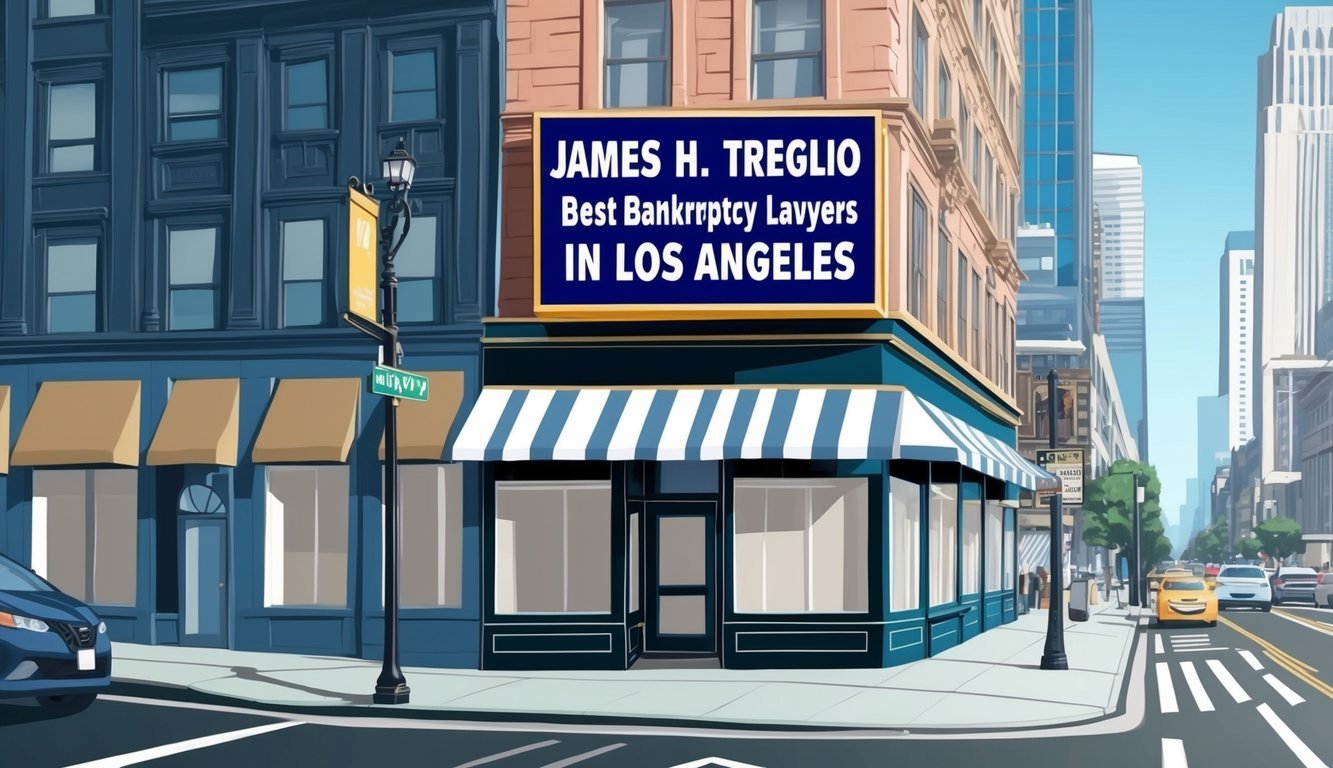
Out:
{"x": 990, "y": 681}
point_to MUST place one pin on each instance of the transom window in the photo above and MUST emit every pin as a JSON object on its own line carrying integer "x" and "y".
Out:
{"x": 71, "y": 285}
{"x": 194, "y": 104}
{"x": 71, "y": 127}
{"x": 412, "y": 86}
{"x": 637, "y": 43}
{"x": 56, "y": 9}
{"x": 307, "y": 95}
{"x": 788, "y": 57}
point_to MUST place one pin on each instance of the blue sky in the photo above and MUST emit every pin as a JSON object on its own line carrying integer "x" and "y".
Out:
{"x": 1174, "y": 83}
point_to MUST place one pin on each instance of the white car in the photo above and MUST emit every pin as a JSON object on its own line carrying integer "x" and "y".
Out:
{"x": 1323, "y": 590}
{"x": 1243, "y": 586}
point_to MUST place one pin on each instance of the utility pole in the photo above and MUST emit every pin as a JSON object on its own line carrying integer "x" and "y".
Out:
{"x": 1053, "y": 655}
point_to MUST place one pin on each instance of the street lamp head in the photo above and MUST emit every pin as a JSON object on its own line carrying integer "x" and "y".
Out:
{"x": 400, "y": 167}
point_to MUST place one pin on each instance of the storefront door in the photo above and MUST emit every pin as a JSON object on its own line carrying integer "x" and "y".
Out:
{"x": 203, "y": 563}
{"x": 680, "y": 577}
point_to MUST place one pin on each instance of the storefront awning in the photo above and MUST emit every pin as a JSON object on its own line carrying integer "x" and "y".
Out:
{"x": 4, "y": 430}
{"x": 309, "y": 420}
{"x": 1034, "y": 549}
{"x": 605, "y": 424}
{"x": 423, "y": 427}
{"x": 199, "y": 425}
{"x": 81, "y": 422}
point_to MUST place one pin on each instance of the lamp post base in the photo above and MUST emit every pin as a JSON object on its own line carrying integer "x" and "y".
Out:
{"x": 1054, "y": 660}
{"x": 392, "y": 694}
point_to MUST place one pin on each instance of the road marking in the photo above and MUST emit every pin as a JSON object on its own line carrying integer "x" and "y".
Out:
{"x": 1228, "y": 682}
{"x": 1293, "y": 742}
{"x": 1173, "y": 754}
{"x": 1166, "y": 692}
{"x": 1157, "y": 646}
{"x": 1196, "y": 686}
{"x": 1187, "y": 643}
{"x": 1207, "y": 648}
{"x": 167, "y": 750}
{"x": 1288, "y": 662}
{"x": 590, "y": 754}
{"x": 1188, "y": 637}
{"x": 718, "y": 762}
{"x": 498, "y": 756}
{"x": 1291, "y": 696}
{"x": 1312, "y": 624}
{"x": 1251, "y": 660}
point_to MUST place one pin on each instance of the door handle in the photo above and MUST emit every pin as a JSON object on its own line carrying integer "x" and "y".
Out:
{"x": 221, "y": 585}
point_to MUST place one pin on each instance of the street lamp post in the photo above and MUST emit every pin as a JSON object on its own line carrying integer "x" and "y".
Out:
{"x": 399, "y": 168}
{"x": 1053, "y": 655}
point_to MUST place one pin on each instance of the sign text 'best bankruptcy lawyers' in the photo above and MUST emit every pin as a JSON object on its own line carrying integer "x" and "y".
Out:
{"x": 709, "y": 214}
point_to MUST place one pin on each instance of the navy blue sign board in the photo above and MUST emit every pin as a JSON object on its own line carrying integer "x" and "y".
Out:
{"x": 662, "y": 215}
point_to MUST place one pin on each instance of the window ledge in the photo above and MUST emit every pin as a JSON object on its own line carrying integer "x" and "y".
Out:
{"x": 74, "y": 177}
{"x": 315, "y": 134}
{"x": 945, "y": 612}
{"x": 185, "y": 147}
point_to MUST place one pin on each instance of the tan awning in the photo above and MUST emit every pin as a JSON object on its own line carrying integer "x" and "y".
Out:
{"x": 423, "y": 428}
{"x": 4, "y": 430}
{"x": 81, "y": 422}
{"x": 199, "y": 425}
{"x": 309, "y": 420}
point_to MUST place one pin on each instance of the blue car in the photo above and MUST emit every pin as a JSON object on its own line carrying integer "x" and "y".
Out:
{"x": 52, "y": 646}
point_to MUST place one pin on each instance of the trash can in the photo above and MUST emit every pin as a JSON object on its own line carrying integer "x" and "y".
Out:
{"x": 1079, "y": 591}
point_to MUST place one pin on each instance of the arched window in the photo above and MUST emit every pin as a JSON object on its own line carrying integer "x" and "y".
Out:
{"x": 1291, "y": 39}
{"x": 1319, "y": 38}
{"x": 1305, "y": 39}
{"x": 200, "y": 500}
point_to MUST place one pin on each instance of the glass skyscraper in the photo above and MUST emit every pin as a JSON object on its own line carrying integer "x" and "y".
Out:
{"x": 1057, "y": 166}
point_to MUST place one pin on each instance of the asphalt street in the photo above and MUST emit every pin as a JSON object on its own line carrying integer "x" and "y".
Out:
{"x": 1250, "y": 691}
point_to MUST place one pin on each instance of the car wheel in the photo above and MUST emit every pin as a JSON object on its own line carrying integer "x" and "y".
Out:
{"x": 1265, "y": 608}
{"x": 69, "y": 704}
{"x": 1212, "y": 623}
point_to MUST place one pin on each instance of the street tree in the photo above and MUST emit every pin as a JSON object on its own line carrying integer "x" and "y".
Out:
{"x": 1250, "y": 548}
{"x": 1108, "y": 512}
{"x": 1210, "y": 545}
{"x": 1280, "y": 537}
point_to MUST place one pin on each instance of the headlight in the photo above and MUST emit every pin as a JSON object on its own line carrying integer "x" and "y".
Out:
{"x": 101, "y": 627}
{"x": 14, "y": 621}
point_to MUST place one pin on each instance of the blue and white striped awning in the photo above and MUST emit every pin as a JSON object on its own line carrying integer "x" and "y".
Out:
{"x": 705, "y": 424}
{"x": 1034, "y": 549}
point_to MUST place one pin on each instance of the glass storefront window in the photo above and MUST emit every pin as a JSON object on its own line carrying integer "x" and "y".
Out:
{"x": 905, "y": 544}
{"x": 943, "y": 543}
{"x": 84, "y": 532}
{"x": 305, "y": 536}
{"x": 552, "y": 547}
{"x": 801, "y": 545}
{"x": 431, "y": 532}
{"x": 994, "y": 540}
{"x": 971, "y": 546}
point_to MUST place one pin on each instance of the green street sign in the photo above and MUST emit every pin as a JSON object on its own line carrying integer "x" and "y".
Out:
{"x": 392, "y": 382}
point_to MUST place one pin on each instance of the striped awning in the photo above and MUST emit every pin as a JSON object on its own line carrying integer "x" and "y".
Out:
{"x": 705, "y": 424}
{"x": 1034, "y": 549}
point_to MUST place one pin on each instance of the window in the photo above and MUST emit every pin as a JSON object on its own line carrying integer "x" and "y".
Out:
{"x": 71, "y": 285}
{"x": 964, "y": 125}
{"x": 916, "y": 286}
{"x": 194, "y": 104}
{"x": 976, "y": 318}
{"x": 634, "y": 562}
{"x": 638, "y": 44}
{"x": 192, "y": 278}
{"x": 56, "y": 9}
{"x": 412, "y": 86}
{"x": 302, "y": 273}
{"x": 960, "y": 277}
{"x": 905, "y": 544}
{"x": 1008, "y": 566}
{"x": 971, "y": 546}
{"x": 994, "y": 536}
{"x": 788, "y": 49}
{"x": 305, "y": 536}
{"x": 945, "y": 91}
{"x": 417, "y": 267}
{"x": 431, "y": 535}
{"x": 942, "y": 282}
{"x": 84, "y": 532}
{"x": 802, "y": 545}
{"x": 552, "y": 547}
{"x": 306, "y": 90}
{"x": 943, "y": 537}
{"x": 919, "y": 47}
{"x": 71, "y": 127}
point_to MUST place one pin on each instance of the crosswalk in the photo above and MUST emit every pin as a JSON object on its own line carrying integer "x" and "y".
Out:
{"x": 1184, "y": 682}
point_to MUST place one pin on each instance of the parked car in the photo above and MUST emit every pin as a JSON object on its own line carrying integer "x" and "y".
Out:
{"x": 1243, "y": 586}
{"x": 1186, "y": 598}
{"x": 1294, "y": 582}
{"x": 1323, "y": 590}
{"x": 52, "y": 646}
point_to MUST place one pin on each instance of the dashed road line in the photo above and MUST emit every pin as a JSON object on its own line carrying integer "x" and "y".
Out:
{"x": 590, "y": 754}
{"x": 1157, "y": 645}
{"x": 1251, "y": 660}
{"x": 1303, "y": 753}
{"x": 167, "y": 750}
{"x": 1173, "y": 754}
{"x": 1228, "y": 682}
{"x": 1166, "y": 690}
{"x": 498, "y": 756}
{"x": 1204, "y": 703}
{"x": 1291, "y": 696}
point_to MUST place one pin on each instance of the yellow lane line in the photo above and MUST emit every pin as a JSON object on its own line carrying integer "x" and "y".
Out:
{"x": 1285, "y": 660}
{"x": 1322, "y": 626}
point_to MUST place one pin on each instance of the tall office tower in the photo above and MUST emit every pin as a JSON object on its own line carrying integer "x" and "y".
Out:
{"x": 1117, "y": 193}
{"x": 1292, "y": 269}
{"x": 1056, "y": 303}
{"x": 1236, "y": 336}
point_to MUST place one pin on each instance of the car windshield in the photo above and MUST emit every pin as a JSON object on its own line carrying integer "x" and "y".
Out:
{"x": 16, "y": 578}
{"x": 1184, "y": 586}
{"x": 1243, "y": 573}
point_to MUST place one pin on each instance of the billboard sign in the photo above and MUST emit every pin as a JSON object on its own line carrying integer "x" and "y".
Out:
{"x": 708, "y": 214}
{"x": 1066, "y": 464}
{"x": 362, "y": 231}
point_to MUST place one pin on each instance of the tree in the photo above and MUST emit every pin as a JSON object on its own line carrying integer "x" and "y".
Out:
{"x": 1210, "y": 544}
{"x": 1250, "y": 548}
{"x": 1280, "y": 537}
{"x": 1108, "y": 511}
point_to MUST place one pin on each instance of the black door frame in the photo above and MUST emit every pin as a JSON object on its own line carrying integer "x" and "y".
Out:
{"x": 654, "y": 641}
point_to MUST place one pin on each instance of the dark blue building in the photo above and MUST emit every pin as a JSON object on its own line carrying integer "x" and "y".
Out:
{"x": 189, "y": 444}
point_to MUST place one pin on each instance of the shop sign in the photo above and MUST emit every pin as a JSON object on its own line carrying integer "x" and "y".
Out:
{"x": 708, "y": 214}
{"x": 392, "y": 382}
{"x": 362, "y": 224}
{"x": 1066, "y": 464}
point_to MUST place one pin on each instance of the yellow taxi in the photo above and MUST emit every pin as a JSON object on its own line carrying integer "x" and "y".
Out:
{"x": 1186, "y": 598}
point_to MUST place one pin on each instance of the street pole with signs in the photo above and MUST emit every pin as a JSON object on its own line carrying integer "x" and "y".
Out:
{"x": 386, "y": 379}
{"x": 1053, "y": 655}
